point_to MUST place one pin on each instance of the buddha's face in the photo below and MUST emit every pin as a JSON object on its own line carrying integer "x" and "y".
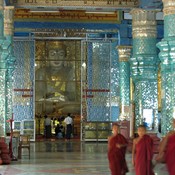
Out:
{"x": 56, "y": 57}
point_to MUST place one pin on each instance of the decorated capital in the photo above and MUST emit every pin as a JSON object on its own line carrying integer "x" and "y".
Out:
{"x": 8, "y": 20}
{"x": 124, "y": 53}
{"x": 144, "y": 23}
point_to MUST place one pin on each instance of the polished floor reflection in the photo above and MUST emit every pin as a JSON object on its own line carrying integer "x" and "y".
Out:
{"x": 66, "y": 158}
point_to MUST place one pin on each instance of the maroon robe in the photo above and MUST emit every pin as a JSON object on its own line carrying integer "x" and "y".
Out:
{"x": 170, "y": 155}
{"x": 116, "y": 156}
{"x": 144, "y": 155}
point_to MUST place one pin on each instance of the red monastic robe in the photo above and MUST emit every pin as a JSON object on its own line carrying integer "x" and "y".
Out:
{"x": 170, "y": 155}
{"x": 116, "y": 156}
{"x": 144, "y": 155}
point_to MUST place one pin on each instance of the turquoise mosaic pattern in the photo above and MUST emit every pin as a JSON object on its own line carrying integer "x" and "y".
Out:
{"x": 144, "y": 67}
{"x": 166, "y": 55}
{"x": 125, "y": 83}
{"x": 146, "y": 98}
{"x": 144, "y": 46}
{"x": 100, "y": 100}
{"x": 114, "y": 83}
{"x": 144, "y": 63}
{"x": 9, "y": 104}
{"x": 24, "y": 80}
{"x": 169, "y": 26}
{"x": 98, "y": 80}
{"x": 168, "y": 83}
{"x": 168, "y": 101}
{"x": 9, "y": 85}
{"x": 5, "y": 50}
{"x": 115, "y": 91}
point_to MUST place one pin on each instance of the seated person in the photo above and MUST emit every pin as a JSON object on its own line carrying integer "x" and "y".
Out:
{"x": 58, "y": 132}
{"x": 62, "y": 131}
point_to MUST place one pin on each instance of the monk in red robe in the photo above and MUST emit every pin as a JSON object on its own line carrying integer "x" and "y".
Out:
{"x": 117, "y": 145}
{"x": 142, "y": 153}
{"x": 167, "y": 151}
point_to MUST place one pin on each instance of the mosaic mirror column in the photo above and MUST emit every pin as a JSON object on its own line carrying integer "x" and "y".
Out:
{"x": 167, "y": 57}
{"x": 8, "y": 33}
{"x": 124, "y": 53}
{"x": 144, "y": 66}
{"x": 4, "y": 53}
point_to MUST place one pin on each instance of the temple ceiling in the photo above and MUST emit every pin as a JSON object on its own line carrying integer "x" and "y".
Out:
{"x": 71, "y": 10}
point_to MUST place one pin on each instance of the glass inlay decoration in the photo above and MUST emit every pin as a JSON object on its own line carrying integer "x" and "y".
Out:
{"x": 2, "y": 101}
{"x": 23, "y": 84}
{"x": 100, "y": 82}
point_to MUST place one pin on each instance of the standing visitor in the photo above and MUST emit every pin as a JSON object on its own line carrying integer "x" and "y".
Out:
{"x": 47, "y": 124}
{"x": 117, "y": 145}
{"x": 142, "y": 153}
{"x": 68, "y": 121}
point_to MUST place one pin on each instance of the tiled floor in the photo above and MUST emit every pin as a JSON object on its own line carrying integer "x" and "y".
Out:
{"x": 66, "y": 158}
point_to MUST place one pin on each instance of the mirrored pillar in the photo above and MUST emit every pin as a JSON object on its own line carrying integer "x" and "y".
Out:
{"x": 167, "y": 57}
{"x": 144, "y": 67}
{"x": 8, "y": 33}
{"x": 4, "y": 53}
{"x": 124, "y": 53}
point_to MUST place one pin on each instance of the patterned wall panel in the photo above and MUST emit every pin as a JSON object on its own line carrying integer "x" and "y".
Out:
{"x": 114, "y": 83}
{"x": 115, "y": 92}
{"x": 101, "y": 91}
{"x": 24, "y": 80}
{"x": 98, "y": 79}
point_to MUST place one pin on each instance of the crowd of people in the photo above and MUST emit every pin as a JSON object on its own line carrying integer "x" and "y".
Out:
{"x": 63, "y": 127}
{"x": 142, "y": 152}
